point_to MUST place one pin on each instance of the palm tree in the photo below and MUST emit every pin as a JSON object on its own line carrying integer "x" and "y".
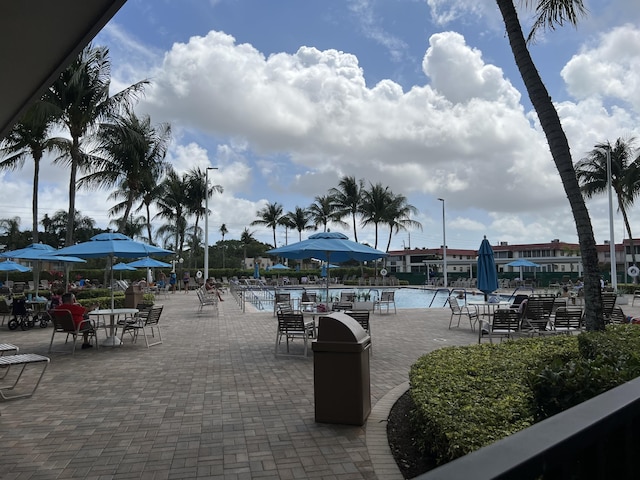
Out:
{"x": 28, "y": 138}
{"x": 197, "y": 190}
{"x": 223, "y": 232}
{"x": 270, "y": 216}
{"x": 299, "y": 220}
{"x": 11, "y": 231}
{"x": 373, "y": 207}
{"x": 79, "y": 98}
{"x": 593, "y": 176}
{"x": 347, "y": 199}
{"x": 323, "y": 210}
{"x": 246, "y": 238}
{"x": 397, "y": 214}
{"x": 550, "y": 13}
{"x": 171, "y": 207}
{"x": 133, "y": 227}
{"x": 132, "y": 155}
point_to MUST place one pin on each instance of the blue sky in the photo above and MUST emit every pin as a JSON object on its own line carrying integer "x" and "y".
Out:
{"x": 422, "y": 95}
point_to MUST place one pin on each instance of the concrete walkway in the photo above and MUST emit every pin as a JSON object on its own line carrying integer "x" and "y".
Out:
{"x": 211, "y": 402}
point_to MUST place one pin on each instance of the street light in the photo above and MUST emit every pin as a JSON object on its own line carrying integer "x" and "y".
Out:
{"x": 206, "y": 223}
{"x": 444, "y": 245}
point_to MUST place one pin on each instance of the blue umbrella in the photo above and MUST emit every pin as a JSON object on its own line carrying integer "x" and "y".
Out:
{"x": 522, "y": 262}
{"x": 256, "y": 270}
{"x": 112, "y": 245}
{"x": 323, "y": 270}
{"x": 327, "y": 246}
{"x": 487, "y": 272}
{"x": 9, "y": 266}
{"x": 123, "y": 266}
{"x": 147, "y": 262}
{"x": 279, "y": 266}
{"x": 40, "y": 252}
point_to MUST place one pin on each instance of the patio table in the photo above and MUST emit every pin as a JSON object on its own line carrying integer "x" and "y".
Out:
{"x": 113, "y": 314}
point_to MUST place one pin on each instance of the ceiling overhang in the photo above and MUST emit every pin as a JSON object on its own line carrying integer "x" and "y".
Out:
{"x": 39, "y": 39}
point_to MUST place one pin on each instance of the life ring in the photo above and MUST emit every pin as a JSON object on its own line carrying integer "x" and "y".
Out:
{"x": 633, "y": 271}
{"x": 383, "y": 272}
{"x": 199, "y": 274}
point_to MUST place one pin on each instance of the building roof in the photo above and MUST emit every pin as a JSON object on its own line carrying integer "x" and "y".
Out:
{"x": 38, "y": 39}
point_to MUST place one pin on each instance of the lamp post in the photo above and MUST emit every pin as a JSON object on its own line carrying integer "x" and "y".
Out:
{"x": 206, "y": 223}
{"x": 444, "y": 245}
{"x": 612, "y": 243}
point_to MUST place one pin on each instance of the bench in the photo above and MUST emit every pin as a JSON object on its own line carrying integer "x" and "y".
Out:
{"x": 6, "y": 348}
{"x": 22, "y": 359}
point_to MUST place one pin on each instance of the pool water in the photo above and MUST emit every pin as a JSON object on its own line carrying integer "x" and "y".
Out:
{"x": 406, "y": 297}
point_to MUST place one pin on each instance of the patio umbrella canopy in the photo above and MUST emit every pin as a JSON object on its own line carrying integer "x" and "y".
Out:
{"x": 112, "y": 245}
{"x": 328, "y": 247}
{"x": 40, "y": 252}
{"x": 522, "y": 262}
{"x": 9, "y": 266}
{"x": 148, "y": 263}
{"x": 487, "y": 272}
{"x": 122, "y": 267}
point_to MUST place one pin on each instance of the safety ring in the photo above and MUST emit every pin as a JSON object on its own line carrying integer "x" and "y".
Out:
{"x": 199, "y": 274}
{"x": 633, "y": 271}
{"x": 383, "y": 272}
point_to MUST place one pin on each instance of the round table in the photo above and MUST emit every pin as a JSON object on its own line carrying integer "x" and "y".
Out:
{"x": 113, "y": 314}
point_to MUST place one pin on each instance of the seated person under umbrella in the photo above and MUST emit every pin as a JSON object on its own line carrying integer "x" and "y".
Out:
{"x": 79, "y": 315}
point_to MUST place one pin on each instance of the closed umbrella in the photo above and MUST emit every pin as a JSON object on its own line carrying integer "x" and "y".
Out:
{"x": 522, "y": 262}
{"x": 256, "y": 270}
{"x": 487, "y": 272}
{"x": 328, "y": 246}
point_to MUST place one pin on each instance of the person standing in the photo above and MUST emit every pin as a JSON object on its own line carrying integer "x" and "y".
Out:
{"x": 172, "y": 281}
{"x": 185, "y": 280}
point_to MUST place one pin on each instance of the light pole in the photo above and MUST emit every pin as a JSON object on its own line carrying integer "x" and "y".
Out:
{"x": 612, "y": 243}
{"x": 444, "y": 245}
{"x": 206, "y": 223}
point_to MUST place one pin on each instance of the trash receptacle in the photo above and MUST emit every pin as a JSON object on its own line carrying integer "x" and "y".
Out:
{"x": 133, "y": 296}
{"x": 342, "y": 387}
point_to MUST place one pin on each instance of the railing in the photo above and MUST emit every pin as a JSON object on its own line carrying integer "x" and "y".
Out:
{"x": 237, "y": 292}
{"x": 597, "y": 439}
{"x": 435, "y": 294}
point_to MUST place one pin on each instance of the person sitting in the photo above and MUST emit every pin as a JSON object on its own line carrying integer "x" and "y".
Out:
{"x": 210, "y": 286}
{"x": 79, "y": 315}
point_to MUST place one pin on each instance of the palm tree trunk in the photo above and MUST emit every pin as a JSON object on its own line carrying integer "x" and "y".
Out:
{"x": 127, "y": 212}
{"x": 72, "y": 193}
{"x": 148, "y": 223}
{"x": 34, "y": 197}
{"x": 559, "y": 147}
{"x": 355, "y": 234}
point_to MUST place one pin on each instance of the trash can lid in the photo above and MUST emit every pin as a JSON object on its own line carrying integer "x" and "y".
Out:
{"x": 340, "y": 327}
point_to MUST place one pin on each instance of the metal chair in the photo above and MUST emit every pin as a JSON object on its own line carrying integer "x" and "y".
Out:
{"x": 63, "y": 323}
{"x": 460, "y": 311}
{"x": 387, "y": 298}
{"x": 291, "y": 326}
{"x": 505, "y": 324}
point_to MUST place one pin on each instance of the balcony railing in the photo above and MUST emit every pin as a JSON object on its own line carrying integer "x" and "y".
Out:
{"x": 598, "y": 439}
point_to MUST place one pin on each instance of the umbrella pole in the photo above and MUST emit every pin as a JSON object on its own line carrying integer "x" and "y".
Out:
{"x": 112, "y": 294}
{"x": 328, "y": 275}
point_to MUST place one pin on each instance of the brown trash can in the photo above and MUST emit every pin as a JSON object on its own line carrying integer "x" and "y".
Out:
{"x": 341, "y": 376}
{"x": 133, "y": 296}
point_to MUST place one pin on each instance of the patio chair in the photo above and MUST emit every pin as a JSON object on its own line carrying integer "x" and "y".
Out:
{"x": 505, "y": 324}
{"x": 362, "y": 317}
{"x": 291, "y": 326}
{"x": 536, "y": 317}
{"x": 5, "y": 310}
{"x": 568, "y": 320}
{"x": 348, "y": 296}
{"x": 636, "y": 296}
{"x": 460, "y": 311}
{"x": 608, "y": 304}
{"x": 387, "y": 298}
{"x": 341, "y": 306}
{"x": 145, "y": 319}
{"x": 206, "y": 299}
{"x": 63, "y": 323}
{"x": 282, "y": 300}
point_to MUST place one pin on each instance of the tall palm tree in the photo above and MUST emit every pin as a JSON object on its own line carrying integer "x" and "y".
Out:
{"x": 323, "y": 211}
{"x": 28, "y": 138}
{"x": 347, "y": 199}
{"x": 79, "y": 98}
{"x": 132, "y": 154}
{"x": 223, "y": 232}
{"x": 593, "y": 176}
{"x": 270, "y": 216}
{"x": 373, "y": 206}
{"x": 397, "y": 216}
{"x": 152, "y": 190}
{"x": 171, "y": 207}
{"x": 197, "y": 190}
{"x": 550, "y": 13}
{"x": 10, "y": 228}
{"x": 133, "y": 227}
{"x": 299, "y": 220}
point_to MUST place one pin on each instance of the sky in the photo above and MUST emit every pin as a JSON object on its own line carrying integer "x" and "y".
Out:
{"x": 285, "y": 98}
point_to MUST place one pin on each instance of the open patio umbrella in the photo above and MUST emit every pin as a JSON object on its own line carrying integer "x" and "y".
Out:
{"x": 522, "y": 262}
{"x": 323, "y": 270}
{"x": 112, "y": 245}
{"x": 37, "y": 253}
{"x": 148, "y": 263}
{"x": 328, "y": 246}
{"x": 9, "y": 266}
{"x": 123, "y": 266}
{"x": 279, "y": 267}
{"x": 487, "y": 272}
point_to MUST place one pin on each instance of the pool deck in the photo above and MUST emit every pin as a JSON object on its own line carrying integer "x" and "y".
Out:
{"x": 212, "y": 401}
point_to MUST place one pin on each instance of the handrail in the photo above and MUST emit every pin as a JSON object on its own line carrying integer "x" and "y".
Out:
{"x": 513, "y": 295}
{"x": 435, "y": 294}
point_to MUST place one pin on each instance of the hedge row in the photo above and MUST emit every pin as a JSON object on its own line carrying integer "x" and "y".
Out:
{"x": 469, "y": 397}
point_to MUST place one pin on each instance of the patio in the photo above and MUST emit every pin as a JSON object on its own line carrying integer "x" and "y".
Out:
{"x": 211, "y": 401}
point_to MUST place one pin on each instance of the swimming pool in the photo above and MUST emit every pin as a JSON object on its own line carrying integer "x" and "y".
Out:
{"x": 405, "y": 297}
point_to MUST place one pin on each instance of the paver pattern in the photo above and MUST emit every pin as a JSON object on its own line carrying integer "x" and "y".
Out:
{"x": 212, "y": 401}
